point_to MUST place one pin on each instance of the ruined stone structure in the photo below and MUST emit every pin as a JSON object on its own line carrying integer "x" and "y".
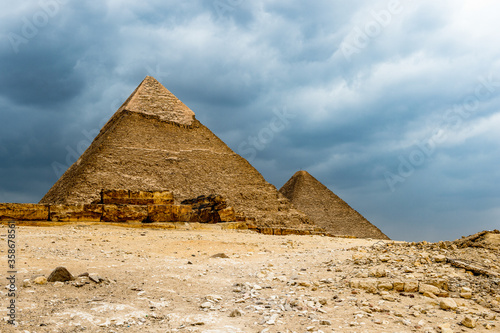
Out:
{"x": 155, "y": 142}
{"x": 326, "y": 209}
{"x": 128, "y": 206}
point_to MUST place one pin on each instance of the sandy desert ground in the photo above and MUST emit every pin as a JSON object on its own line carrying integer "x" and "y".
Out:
{"x": 154, "y": 280}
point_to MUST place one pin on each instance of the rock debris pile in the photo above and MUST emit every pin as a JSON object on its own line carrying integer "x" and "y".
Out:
{"x": 239, "y": 281}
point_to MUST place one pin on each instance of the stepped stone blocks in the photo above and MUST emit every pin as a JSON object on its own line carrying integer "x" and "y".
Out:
{"x": 23, "y": 212}
{"x": 75, "y": 213}
{"x": 155, "y": 142}
{"x": 326, "y": 209}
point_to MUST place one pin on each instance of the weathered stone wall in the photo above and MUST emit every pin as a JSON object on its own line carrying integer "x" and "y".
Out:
{"x": 126, "y": 197}
{"x": 23, "y": 212}
{"x": 75, "y": 213}
{"x": 128, "y": 206}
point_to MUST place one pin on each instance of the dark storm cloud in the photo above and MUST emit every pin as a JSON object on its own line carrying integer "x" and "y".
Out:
{"x": 366, "y": 85}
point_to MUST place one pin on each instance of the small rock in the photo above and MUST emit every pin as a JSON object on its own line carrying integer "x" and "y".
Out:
{"x": 272, "y": 320}
{"x": 440, "y": 258}
{"x": 411, "y": 286}
{"x": 81, "y": 281}
{"x": 378, "y": 272}
{"x": 430, "y": 295}
{"x": 469, "y": 322}
{"x": 388, "y": 297}
{"x": 236, "y": 313}
{"x": 40, "y": 280}
{"x": 206, "y": 305}
{"x": 26, "y": 283}
{"x": 220, "y": 255}
{"x": 489, "y": 316}
{"x": 95, "y": 278}
{"x": 213, "y": 298}
{"x": 198, "y": 323}
{"x": 303, "y": 283}
{"x": 423, "y": 288}
{"x": 60, "y": 274}
{"x": 445, "y": 328}
{"x": 448, "y": 304}
{"x": 325, "y": 322}
{"x": 58, "y": 284}
{"x": 385, "y": 285}
{"x": 466, "y": 295}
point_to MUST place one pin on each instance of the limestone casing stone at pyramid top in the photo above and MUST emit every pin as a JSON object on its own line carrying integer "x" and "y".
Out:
{"x": 152, "y": 98}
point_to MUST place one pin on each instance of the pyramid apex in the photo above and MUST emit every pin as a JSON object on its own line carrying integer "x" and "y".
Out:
{"x": 152, "y": 98}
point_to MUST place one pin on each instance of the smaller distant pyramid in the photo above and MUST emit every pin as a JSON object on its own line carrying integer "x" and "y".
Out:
{"x": 326, "y": 209}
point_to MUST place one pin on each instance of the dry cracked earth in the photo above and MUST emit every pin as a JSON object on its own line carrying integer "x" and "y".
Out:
{"x": 154, "y": 280}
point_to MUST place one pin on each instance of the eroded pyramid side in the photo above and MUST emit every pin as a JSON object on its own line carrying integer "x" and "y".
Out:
{"x": 326, "y": 209}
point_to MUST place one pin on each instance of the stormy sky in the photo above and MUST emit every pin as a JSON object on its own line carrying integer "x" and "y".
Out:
{"x": 394, "y": 105}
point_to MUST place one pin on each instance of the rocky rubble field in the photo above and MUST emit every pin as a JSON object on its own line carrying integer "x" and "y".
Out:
{"x": 152, "y": 280}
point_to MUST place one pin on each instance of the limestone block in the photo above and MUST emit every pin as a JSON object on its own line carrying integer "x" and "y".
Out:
{"x": 75, "y": 213}
{"x": 115, "y": 197}
{"x": 124, "y": 213}
{"x": 370, "y": 285}
{"x": 448, "y": 304}
{"x": 423, "y": 288}
{"x": 411, "y": 286}
{"x": 23, "y": 212}
{"x": 227, "y": 215}
{"x": 206, "y": 215}
{"x": 160, "y": 213}
{"x": 399, "y": 286}
{"x": 385, "y": 285}
{"x": 182, "y": 213}
{"x": 354, "y": 283}
{"x": 440, "y": 283}
{"x": 151, "y": 198}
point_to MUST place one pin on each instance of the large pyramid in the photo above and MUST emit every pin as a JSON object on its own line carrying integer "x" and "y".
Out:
{"x": 326, "y": 209}
{"x": 154, "y": 142}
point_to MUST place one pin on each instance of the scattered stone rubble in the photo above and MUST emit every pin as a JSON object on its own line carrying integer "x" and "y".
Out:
{"x": 245, "y": 282}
